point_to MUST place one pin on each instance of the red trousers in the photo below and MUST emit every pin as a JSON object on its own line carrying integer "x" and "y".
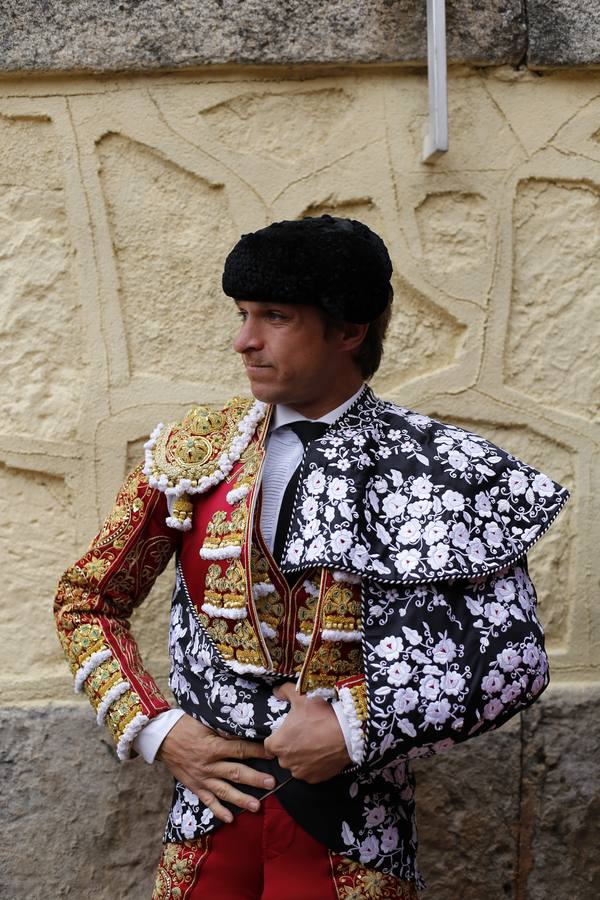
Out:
{"x": 267, "y": 856}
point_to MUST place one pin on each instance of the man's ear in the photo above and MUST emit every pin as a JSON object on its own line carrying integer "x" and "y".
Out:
{"x": 351, "y": 335}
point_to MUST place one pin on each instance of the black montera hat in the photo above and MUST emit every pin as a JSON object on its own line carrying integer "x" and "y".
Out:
{"x": 337, "y": 264}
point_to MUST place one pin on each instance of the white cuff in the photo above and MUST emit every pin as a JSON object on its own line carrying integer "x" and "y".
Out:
{"x": 152, "y": 735}
{"x": 350, "y": 725}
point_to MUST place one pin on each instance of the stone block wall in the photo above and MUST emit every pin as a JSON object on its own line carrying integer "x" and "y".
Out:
{"x": 119, "y": 199}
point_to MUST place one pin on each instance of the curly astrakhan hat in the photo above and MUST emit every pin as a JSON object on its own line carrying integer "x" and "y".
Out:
{"x": 337, "y": 264}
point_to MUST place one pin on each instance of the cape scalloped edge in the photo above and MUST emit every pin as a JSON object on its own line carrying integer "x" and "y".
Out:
{"x": 246, "y": 428}
{"x": 370, "y": 571}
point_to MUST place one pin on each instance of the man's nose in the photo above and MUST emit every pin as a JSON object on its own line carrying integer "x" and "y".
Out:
{"x": 248, "y": 338}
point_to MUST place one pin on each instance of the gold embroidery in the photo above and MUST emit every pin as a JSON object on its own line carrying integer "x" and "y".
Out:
{"x": 179, "y": 868}
{"x": 355, "y": 882}
{"x": 238, "y": 642}
{"x": 225, "y": 590}
{"x": 331, "y": 663}
{"x": 359, "y": 697}
{"x": 341, "y": 609}
{"x": 100, "y": 591}
{"x": 191, "y": 449}
{"x": 223, "y": 530}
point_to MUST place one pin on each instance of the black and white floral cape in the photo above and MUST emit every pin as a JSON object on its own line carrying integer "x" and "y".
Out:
{"x": 436, "y": 521}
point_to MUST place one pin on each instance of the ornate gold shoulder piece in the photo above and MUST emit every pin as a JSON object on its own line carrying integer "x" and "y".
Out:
{"x": 194, "y": 455}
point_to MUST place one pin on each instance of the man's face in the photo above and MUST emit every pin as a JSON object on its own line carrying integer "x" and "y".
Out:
{"x": 288, "y": 355}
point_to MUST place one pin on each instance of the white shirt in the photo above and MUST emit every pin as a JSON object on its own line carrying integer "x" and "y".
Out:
{"x": 284, "y": 451}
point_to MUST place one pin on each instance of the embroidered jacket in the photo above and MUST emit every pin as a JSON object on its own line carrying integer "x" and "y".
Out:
{"x": 413, "y": 537}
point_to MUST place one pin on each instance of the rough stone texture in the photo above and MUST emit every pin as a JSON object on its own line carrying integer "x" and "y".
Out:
{"x": 118, "y": 202}
{"x": 563, "y": 32}
{"x": 100, "y": 36}
{"x": 39, "y": 506}
{"x": 39, "y": 322}
{"x": 454, "y": 230}
{"x": 560, "y": 806}
{"x": 505, "y": 816}
{"x": 467, "y": 815}
{"x": 95, "y": 823}
{"x": 170, "y": 261}
{"x": 556, "y": 226}
{"x": 259, "y": 123}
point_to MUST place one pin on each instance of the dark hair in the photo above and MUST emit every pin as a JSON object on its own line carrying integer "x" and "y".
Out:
{"x": 368, "y": 356}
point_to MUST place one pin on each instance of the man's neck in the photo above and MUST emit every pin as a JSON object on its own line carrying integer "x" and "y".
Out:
{"x": 285, "y": 413}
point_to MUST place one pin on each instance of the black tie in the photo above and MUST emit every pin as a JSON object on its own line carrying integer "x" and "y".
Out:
{"x": 307, "y": 432}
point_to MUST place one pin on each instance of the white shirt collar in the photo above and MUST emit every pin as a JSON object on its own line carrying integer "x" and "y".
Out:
{"x": 283, "y": 414}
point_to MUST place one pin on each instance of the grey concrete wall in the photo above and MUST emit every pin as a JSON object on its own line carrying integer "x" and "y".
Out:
{"x": 140, "y": 35}
{"x": 91, "y": 827}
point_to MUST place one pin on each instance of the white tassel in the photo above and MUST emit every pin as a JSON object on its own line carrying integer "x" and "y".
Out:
{"x": 268, "y": 631}
{"x": 116, "y": 691}
{"x": 220, "y": 612}
{"x": 262, "y": 589}
{"x": 303, "y": 639}
{"x": 225, "y": 551}
{"x": 357, "y": 735}
{"x": 325, "y": 693}
{"x": 130, "y": 734}
{"x": 236, "y": 494}
{"x": 332, "y": 634}
{"x": 310, "y": 589}
{"x": 186, "y": 525}
{"x": 244, "y": 668}
{"x": 91, "y": 663}
{"x": 348, "y": 577}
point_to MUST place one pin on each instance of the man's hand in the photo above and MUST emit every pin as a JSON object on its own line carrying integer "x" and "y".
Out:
{"x": 208, "y": 764}
{"x": 310, "y": 742}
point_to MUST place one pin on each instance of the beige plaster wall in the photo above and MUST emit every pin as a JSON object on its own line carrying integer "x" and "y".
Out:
{"x": 119, "y": 199}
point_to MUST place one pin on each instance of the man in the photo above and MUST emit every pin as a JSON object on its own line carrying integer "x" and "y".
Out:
{"x": 352, "y": 591}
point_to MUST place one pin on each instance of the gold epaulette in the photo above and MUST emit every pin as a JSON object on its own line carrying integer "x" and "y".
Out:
{"x": 194, "y": 455}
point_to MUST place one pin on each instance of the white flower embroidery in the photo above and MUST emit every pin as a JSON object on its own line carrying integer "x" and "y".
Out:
{"x": 438, "y": 555}
{"x": 517, "y": 482}
{"x": 444, "y": 651}
{"x": 389, "y": 648}
{"x": 429, "y": 687}
{"x": 242, "y": 713}
{"x": 422, "y": 487}
{"x": 338, "y": 489}
{"x": 434, "y": 532}
{"x": 341, "y": 541}
{"x": 508, "y": 660}
{"x": 315, "y": 483}
{"x": 393, "y": 505}
{"x": 310, "y": 508}
{"x": 543, "y": 485}
{"x": 437, "y": 712}
{"x": 453, "y": 500}
{"x": 398, "y": 673}
{"x": 406, "y": 560}
{"x": 409, "y": 532}
{"x": 452, "y": 683}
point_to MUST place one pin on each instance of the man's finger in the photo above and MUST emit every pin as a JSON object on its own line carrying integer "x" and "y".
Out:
{"x": 232, "y": 771}
{"x": 218, "y": 810}
{"x": 225, "y": 791}
{"x": 225, "y": 748}
{"x": 287, "y": 692}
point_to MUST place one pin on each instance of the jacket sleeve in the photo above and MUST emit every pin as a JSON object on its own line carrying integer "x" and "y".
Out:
{"x": 447, "y": 661}
{"x": 95, "y": 599}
